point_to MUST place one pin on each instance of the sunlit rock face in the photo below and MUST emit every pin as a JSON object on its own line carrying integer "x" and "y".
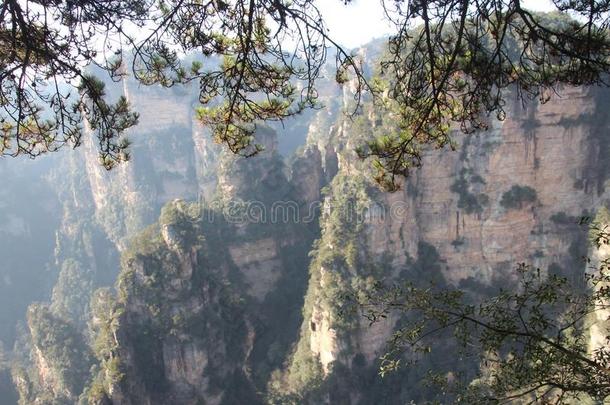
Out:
{"x": 465, "y": 206}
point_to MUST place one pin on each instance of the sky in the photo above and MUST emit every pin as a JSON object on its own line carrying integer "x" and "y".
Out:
{"x": 363, "y": 20}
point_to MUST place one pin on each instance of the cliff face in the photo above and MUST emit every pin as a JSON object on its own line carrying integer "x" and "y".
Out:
{"x": 97, "y": 213}
{"x": 235, "y": 297}
{"x": 511, "y": 194}
{"x": 455, "y": 202}
{"x": 180, "y": 332}
{"x": 207, "y": 302}
{"x": 550, "y": 148}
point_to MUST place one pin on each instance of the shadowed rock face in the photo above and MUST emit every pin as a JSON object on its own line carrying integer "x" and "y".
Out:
{"x": 204, "y": 303}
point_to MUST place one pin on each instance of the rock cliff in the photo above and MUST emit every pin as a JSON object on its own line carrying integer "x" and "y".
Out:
{"x": 235, "y": 296}
{"x": 508, "y": 195}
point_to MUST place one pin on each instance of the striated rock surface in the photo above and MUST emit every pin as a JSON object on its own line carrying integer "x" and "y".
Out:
{"x": 467, "y": 217}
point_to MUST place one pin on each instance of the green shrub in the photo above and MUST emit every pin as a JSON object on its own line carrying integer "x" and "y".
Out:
{"x": 468, "y": 201}
{"x": 457, "y": 242}
{"x": 563, "y": 219}
{"x": 62, "y": 346}
{"x": 517, "y": 196}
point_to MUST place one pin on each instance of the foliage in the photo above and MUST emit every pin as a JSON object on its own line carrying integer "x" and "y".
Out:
{"x": 177, "y": 213}
{"x": 122, "y": 218}
{"x": 532, "y": 340}
{"x": 71, "y": 294}
{"x": 105, "y": 322}
{"x": 340, "y": 264}
{"x": 517, "y": 196}
{"x": 599, "y": 227}
{"x": 452, "y": 69}
{"x": 242, "y": 54}
{"x": 261, "y": 60}
{"x": 62, "y": 347}
{"x": 131, "y": 330}
{"x": 561, "y": 218}
{"x": 335, "y": 257}
{"x": 469, "y": 201}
